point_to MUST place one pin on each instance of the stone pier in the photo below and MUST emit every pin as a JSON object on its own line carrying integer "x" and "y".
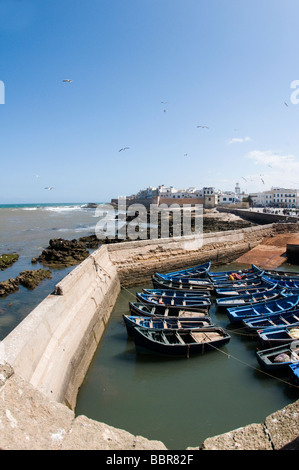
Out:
{"x": 43, "y": 361}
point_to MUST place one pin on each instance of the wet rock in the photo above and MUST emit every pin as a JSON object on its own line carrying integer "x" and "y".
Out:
{"x": 8, "y": 287}
{"x": 7, "y": 260}
{"x": 63, "y": 253}
{"x": 31, "y": 279}
{"x": 90, "y": 241}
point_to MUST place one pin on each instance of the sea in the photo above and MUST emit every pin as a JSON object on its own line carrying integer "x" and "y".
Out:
{"x": 26, "y": 229}
{"x": 180, "y": 402}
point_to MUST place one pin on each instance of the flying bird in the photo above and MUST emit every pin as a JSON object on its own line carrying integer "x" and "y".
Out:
{"x": 124, "y": 148}
{"x": 164, "y": 102}
{"x": 286, "y": 104}
{"x": 67, "y": 80}
{"x": 204, "y": 127}
{"x": 49, "y": 188}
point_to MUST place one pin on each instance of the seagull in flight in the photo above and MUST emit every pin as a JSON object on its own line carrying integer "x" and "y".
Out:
{"x": 124, "y": 148}
{"x": 68, "y": 80}
{"x": 203, "y": 127}
{"x": 286, "y": 104}
{"x": 49, "y": 188}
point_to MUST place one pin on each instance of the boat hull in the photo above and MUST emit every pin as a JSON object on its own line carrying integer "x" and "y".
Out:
{"x": 200, "y": 271}
{"x": 139, "y": 308}
{"x": 278, "y": 358}
{"x": 169, "y": 323}
{"x": 150, "y": 343}
{"x": 263, "y": 309}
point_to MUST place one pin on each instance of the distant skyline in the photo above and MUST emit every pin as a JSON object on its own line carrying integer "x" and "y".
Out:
{"x": 106, "y": 97}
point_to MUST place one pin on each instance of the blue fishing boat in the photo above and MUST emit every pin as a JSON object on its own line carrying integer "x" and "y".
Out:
{"x": 239, "y": 290}
{"x": 146, "y": 309}
{"x": 282, "y": 276}
{"x": 179, "y": 343}
{"x": 294, "y": 373}
{"x": 238, "y": 314}
{"x": 238, "y": 285}
{"x": 286, "y": 283}
{"x": 197, "y": 271}
{"x": 289, "y": 318}
{"x": 163, "y": 323}
{"x": 202, "y": 304}
{"x": 248, "y": 299}
{"x": 277, "y": 274}
{"x": 254, "y": 270}
{"x": 160, "y": 282}
{"x": 269, "y": 338}
{"x": 177, "y": 293}
{"x": 278, "y": 358}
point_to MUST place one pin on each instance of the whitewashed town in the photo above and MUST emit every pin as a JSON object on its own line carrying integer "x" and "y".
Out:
{"x": 274, "y": 199}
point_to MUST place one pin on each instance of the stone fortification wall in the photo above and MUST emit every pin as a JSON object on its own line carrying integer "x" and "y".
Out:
{"x": 53, "y": 346}
{"x": 137, "y": 261}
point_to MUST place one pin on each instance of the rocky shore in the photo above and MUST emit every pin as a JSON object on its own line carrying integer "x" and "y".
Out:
{"x": 29, "y": 279}
{"x": 7, "y": 260}
{"x": 63, "y": 253}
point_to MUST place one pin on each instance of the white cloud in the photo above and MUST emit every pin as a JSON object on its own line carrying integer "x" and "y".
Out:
{"x": 277, "y": 169}
{"x": 239, "y": 140}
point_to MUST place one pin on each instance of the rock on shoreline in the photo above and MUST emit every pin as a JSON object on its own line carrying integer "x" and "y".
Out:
{"x": 28, "y": 279}
{"x": 7, "y": 260}
{"x": 62, "y": 252}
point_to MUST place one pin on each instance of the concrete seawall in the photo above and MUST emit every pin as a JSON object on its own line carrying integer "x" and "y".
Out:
{"x": 43, "y": 361}
{"x": 53, "y": 346}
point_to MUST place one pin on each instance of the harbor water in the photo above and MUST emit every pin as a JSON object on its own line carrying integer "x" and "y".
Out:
{"x": 180, "y": 402}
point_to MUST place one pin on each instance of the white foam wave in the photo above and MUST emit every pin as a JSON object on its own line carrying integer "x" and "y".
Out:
{"x": 63, "y": 208}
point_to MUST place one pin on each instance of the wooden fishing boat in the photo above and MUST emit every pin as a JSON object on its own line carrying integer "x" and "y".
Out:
{"x": 269, "y": 338}
{"x": 263, "y": 286}
{"x": 289, "y": 318}
{"x": 242, "y": 272}
{"x": 278, "y": 358}
{"x": 165, "y": 323}
{"x": 177, "y": 293}
{"x": 285, "y": 283}
{"x": 202, "y": 304}
{"x": 197, "y": 271}
{"x": 245, "y": 284}
{"x": 179, "y": 343}
{"x": 164, "y": 283}
{"x": 281, "y": 274}
{"x": 294, "y": 373}
{"x": 143, "y": 309}
{"x": 247, "y": 299}
{"x": 238, "y": 314}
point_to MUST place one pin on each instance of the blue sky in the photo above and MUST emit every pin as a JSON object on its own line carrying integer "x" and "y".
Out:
{"x": 225, "y": 64}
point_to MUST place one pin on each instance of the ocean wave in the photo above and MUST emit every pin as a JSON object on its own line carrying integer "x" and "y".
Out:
{"x": 63, "y": 208}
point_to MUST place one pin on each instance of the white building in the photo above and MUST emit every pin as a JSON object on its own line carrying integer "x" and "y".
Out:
{"x": 276, "y": 197}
